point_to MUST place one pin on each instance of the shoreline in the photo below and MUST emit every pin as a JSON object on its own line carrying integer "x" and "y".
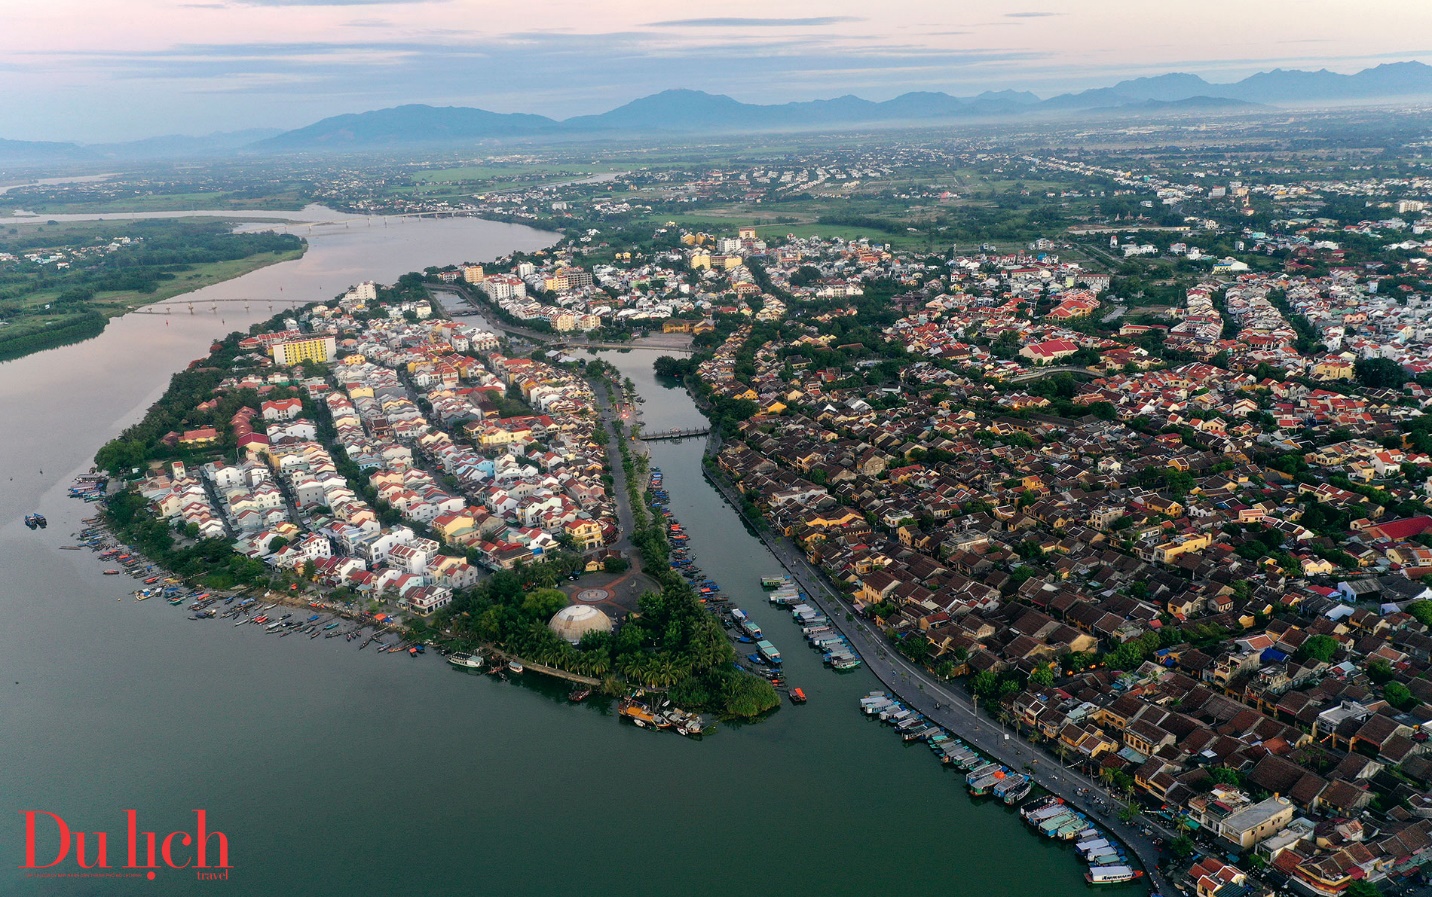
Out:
{"x": 917, "y": 691}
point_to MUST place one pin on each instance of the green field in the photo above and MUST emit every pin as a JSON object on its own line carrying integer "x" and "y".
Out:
{"x": 44, "y": 305}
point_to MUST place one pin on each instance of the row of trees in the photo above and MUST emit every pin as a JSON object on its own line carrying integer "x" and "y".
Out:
{"x": 72, "y": 328}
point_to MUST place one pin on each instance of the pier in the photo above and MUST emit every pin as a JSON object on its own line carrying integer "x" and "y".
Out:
{"x": 674, "y": 434}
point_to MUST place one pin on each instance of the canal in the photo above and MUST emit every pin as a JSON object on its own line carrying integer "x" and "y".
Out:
{"x": 335, "y": 771}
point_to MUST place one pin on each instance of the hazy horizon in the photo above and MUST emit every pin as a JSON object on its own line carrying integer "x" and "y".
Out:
{"x": 88, "y": 72}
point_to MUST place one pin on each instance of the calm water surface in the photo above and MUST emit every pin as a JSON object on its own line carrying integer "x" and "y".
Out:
{"x": 340, "y": 772}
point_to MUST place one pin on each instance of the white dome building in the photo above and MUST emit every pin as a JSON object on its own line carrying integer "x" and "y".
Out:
{"x": 571, "y": 623}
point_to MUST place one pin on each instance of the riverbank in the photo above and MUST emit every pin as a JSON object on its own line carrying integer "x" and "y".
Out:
{"x": 949, "y": 708}
{"x": 94, "y": 272}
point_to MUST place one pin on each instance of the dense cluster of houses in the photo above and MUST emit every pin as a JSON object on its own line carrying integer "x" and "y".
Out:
{"x": 420, "y": 412}
{"x": 1229, "y": 640}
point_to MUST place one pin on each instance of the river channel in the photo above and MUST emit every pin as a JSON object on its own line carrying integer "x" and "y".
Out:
{"x": 338, "y": 772}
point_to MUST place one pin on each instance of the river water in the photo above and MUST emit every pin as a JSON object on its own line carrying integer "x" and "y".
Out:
{"x": 334, "y": 771}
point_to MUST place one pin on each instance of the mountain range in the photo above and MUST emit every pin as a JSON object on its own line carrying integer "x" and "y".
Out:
{"x": 696, "y": 112}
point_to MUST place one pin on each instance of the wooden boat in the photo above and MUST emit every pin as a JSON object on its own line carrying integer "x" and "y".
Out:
{"x": 578, "y": 695}
{"x": 640, "y": 714}
{"x": 798, "y": 696}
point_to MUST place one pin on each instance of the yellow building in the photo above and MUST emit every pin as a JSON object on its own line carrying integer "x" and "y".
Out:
{"x": 586, "y": 534}
{"x": 1333, "y": 368}
{"x": 1169, "y": 551}
{"x": 317, "y": 348}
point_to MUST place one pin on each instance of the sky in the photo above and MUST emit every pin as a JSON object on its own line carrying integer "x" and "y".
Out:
{"x": 102, "y": 70}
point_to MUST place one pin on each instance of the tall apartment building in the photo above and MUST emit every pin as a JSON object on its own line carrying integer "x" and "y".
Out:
{"x": 316, "y": 348}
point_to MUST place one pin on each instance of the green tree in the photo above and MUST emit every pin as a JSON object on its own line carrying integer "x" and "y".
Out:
{"x": 541, "y": 604}
{"x": 1398, "y": 695}
{"x": 1422, "y": 610}
{"x": 1362, "y": 889}
{"x": 1379, "y": 670}
{"x": 1320, "y": 648}
{"x": 1379, "y": 373}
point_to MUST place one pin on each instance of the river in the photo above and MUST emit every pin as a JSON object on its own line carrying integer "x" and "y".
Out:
{"x": 334, "y": 771}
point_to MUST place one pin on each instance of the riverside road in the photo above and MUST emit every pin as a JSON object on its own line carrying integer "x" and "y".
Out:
{"x": 958, "y": 713}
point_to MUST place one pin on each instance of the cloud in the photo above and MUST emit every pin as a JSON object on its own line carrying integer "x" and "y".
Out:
{"x": 753, "y": 23}
{"x": 329, "y": 2}
{"x": 535, "y": 71}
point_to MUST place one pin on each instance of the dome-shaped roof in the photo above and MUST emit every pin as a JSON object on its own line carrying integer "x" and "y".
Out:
{"x": 571, "y": 623}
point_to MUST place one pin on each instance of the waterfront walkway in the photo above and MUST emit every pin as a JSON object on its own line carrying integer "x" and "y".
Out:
{"x": 956, "y": 712}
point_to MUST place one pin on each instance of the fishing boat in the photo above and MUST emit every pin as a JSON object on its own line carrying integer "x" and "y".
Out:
{"x": 1040, "y": 807}
{"x": 1011, "y": 791}
{"x": 684, "y": 723}
{"x": 798, "y": 696}
{"x": 768, "y": 651}
{"x": 1108, "y": 875}
{"x": 640, "y": 714}
{"x": 111, "y": 572}
{"x": 36, "y": 521}
{"x": 982, "y": 785}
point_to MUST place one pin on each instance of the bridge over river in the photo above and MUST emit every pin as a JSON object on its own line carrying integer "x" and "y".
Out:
{"x": 674, "y": 434}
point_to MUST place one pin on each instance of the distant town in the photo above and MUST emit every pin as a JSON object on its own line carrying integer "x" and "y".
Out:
{"x": 1152, "y": 488}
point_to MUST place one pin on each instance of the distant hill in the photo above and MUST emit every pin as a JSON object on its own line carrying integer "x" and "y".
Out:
{"x": 182, "y": 146}
{"x": 405, "y": 126}
{"x": 696, "y": 112}
{"x": 18, "y": 152}
{"x": 1278, "y": 87}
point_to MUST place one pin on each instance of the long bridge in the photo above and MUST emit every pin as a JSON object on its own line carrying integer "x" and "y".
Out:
{"x": 175, "y": 304}
{"x": 674, "y": 434}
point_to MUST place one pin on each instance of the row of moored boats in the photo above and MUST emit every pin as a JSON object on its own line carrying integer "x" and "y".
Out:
{"x": 1108, "y": 864}
{"x": 1106, "y": 859}
{"x": 761, "y": 657}
{"x": 835, "y": 649}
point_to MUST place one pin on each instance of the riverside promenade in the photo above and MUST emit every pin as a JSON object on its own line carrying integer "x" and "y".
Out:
{"x": 955, "y": 710}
